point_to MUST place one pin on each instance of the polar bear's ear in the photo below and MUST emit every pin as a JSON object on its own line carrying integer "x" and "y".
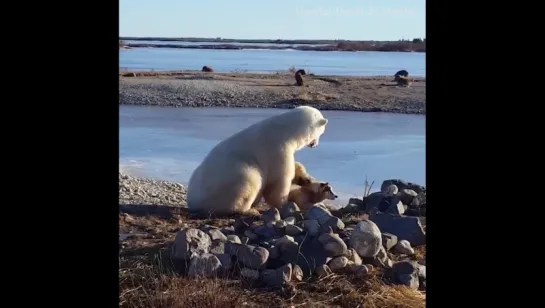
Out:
{"x": 322, "y": 122}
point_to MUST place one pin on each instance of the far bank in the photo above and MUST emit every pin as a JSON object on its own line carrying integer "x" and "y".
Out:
{"x": 198, "y": 89}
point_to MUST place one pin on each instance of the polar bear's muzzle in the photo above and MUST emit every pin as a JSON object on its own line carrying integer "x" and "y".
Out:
{"x": 313, "y": 143}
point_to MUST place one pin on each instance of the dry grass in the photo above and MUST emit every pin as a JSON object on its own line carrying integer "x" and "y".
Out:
{"x": 155, "y": 285}
{"x": 147, "y": 277}
{"x": 143, "y": 285}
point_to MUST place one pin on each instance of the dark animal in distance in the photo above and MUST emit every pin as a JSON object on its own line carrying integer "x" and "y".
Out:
{"x": 207, "y": 69}
{"x": 299, "y": 77}
{"x": 403, "y": 73}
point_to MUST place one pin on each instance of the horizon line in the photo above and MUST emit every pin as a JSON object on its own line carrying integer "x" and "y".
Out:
{"x": 260, "y": 39}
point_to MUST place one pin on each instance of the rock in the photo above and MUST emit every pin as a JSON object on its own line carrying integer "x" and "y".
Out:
{"x": 266, "y": 232}
{"x": 404, "y": 247}
{"x": 251, "y": 235}
{"x": 419, "y": 201}
{"x": 271, "y": 215}
{"x": 280, "y": 224}
{"x": 412, "y": 212}
{"x": 319, "y": 214}
{"x": 388, "y": 240}
{"x": 228, "y": 230}
{"x": 308, "y": 256}
{"x": 402, "y": 185}
{"x": 290, "y": 220}
{"x": 350, "y": 208}
{"x": 380, "y": 260}
{"x": 323, "y": 270}
{"x": 353, "y": 256}
{"x": 404, "y": 227}
{"x": 366, "y": 239}
{"x": 225, "y": 260}
{"x": 396, "y": 208}
{"x": 297, "y": 273}
{"x": 217, "y": 247}
{"x": 383, "y": 259}
{"x": 356, "y": 201}
{"x": 390, "y": 190}
{"x": 250, "y": 256}
{"x": 299, "y": 216}
{"x": 274, "y": 252}
{"x": 216, "y": 234}
{"x": 293, "y": 230}
{"x": 204, "y": 265}
{"x": 407, "y": 196}
{"x": 289, "y": 252}
{"x": 406, "y": 273}
{"x": 250, "y": 274}
{"x": 234, "y": 238}
{"x": 358, "y": 270}
{"x": 372, "y": 201}
{"x": 242, "y": 223}
{"x": 335, "y": 223}
{"x": 288, "y": 210}
{"x": 284, "y": 240}
{"x": 189, "y": 242}
{"x": 312, "y": 227}
{"x": 422, "y": 271}
{"x": 338, "y": 263}
{"x": 333, "y": 245}
{"x": 277, "y": 277}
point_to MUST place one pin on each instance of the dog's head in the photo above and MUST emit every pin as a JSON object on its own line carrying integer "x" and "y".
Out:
{"x": 327, "y": 192}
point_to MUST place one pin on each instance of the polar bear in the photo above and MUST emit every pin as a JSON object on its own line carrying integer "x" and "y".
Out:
{"x": 256, "y": 162}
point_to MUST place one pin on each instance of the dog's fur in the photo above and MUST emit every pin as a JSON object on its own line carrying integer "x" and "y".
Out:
{"x": 308, "y": 195}
{"x": 301, "y": 178}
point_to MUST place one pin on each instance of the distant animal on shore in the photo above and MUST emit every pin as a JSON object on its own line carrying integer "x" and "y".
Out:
{"x": 403, "y": 81}
{"x": 306, "y": 196}
{"x": 403, "y": 73}
{"x": 207, "y": 69}
{"x": 299, "y": 77}
{"x": 257, "y": 162}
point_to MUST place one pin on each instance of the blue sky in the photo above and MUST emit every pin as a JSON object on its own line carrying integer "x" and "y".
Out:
{"x": 257, "y": 19}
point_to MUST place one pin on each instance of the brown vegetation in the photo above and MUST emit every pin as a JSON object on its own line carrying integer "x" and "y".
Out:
{"x": 148, "y": 278}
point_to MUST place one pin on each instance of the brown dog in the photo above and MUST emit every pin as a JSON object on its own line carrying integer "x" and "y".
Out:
{"x": 308, "y": 195}
{"x": 301, "y": 178}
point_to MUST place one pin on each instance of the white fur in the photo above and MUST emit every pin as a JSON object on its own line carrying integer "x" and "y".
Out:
{"x": 256, "y": 162}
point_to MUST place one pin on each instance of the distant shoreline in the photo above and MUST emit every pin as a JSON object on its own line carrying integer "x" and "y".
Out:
{"x": 415, "y": 45}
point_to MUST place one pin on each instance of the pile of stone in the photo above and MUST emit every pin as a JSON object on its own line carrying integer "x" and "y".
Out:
{"x": 290, "y": 245}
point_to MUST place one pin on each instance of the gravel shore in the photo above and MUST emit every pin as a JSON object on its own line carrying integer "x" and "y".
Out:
{"x": 195, "y": 89}
{"x": 144, "y": 191}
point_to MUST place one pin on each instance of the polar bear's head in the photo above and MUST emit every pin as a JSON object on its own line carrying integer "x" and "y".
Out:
{"x": 313, "y": 125}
